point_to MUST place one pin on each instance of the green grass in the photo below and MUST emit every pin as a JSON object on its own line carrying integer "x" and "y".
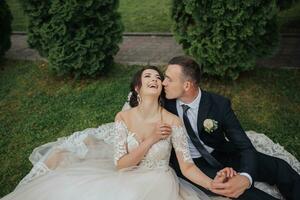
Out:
{"x": 146, "y": 15}
{"x": 290, "y": 18}
{"x": 150, "y": 15}
{"x": 20, "y": 19}
{"x": 137, "y": 16}
{"x": 37, "y": 107}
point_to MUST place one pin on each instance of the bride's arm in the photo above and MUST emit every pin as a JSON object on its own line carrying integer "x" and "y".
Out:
{"x": 125, "y": 159}
{"x": 187, "y": 166}
{"x": 194, "y": 174}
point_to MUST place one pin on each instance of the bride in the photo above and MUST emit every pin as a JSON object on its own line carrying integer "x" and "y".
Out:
{"x": 82, "y": 166}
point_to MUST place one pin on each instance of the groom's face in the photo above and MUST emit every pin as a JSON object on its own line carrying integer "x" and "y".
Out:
{"x": 173, "y": 82}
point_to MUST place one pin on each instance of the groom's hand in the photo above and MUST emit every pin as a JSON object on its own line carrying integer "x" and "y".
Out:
{"x": 233, "y": 188}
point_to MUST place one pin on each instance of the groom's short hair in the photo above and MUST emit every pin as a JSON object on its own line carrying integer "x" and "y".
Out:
{"x": 190, "y": 68}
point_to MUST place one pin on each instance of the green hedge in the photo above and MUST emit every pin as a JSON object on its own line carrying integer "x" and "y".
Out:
{"x": 285, "y": 4}
{"x": 226, "y": 37}
{"x": 5, "y": 27}
{"x": 79, "y": 37}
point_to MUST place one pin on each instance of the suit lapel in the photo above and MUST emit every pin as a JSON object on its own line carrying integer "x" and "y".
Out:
{"x": 204, "y": 107}
{"x": 171, "y": 106}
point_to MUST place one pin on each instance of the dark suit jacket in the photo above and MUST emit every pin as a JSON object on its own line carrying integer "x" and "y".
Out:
{"x": 229, "y": 137}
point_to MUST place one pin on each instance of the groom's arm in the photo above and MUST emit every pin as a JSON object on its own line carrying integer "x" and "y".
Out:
{"x": 235, "y": 133}
{"x": 236, "y": 185}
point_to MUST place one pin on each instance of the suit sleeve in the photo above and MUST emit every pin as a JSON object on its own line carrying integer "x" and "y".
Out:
{"x": 235, "y": 133}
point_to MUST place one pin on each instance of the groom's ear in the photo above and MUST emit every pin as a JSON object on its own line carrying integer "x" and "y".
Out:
{"x": 186, "y": 85}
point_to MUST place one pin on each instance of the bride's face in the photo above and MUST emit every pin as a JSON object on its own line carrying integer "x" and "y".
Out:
{"x": 151, "y": 83}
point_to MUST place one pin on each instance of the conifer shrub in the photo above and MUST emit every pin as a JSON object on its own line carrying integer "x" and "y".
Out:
{"x": 78, "y": 37}
{"x": 226, "y": 37}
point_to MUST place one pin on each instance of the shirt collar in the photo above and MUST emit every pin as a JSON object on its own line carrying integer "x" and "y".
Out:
{"x": 194, "y": 104}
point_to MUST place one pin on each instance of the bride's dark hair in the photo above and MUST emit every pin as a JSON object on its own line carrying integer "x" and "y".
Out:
{"x": 137, "y": 82}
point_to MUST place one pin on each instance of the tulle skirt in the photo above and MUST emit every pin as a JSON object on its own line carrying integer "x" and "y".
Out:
{"x": 81, "y": 167}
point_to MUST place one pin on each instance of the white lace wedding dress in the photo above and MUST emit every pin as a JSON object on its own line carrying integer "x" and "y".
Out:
{"x": 81, "y": 167}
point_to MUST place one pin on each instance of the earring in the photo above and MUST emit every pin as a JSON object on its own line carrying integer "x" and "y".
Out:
{"x": 138, "y": 98}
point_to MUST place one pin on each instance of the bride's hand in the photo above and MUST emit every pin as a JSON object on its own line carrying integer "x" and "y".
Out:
{"x": 162, "y": 131}
{"x": 224, "y": 174}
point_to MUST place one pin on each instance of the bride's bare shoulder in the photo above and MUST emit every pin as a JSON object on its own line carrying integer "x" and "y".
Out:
{"x": 171, "y": 119}
{"x": 123, "y": 115}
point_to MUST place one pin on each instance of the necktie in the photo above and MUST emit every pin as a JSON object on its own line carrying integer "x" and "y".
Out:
{"x": 206, "y": 155}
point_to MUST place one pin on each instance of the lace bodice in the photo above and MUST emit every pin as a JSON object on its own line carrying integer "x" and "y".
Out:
{"x": 159, "y": 154}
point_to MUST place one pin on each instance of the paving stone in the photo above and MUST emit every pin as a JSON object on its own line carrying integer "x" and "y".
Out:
{"x": 158, "y": 50}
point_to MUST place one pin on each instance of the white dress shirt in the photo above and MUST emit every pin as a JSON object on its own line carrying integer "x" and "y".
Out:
{"x": 192, "y": 114}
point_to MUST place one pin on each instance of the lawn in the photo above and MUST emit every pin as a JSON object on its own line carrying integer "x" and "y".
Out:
{"x": 146, "y": 15}
{"x": 37, "y": 107}
{"x": 149, "y": 15}
{"x": 19, "y": 18}
{"x": 137, "y": 16}
{"x": 290, "y": 18}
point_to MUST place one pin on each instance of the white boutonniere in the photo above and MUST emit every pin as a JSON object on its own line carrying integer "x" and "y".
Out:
{"x": 210, "y": 125}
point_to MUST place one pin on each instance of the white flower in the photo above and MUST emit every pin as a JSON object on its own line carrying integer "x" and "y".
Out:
{"x": 129, "y": 96}
{"x": 210, "y": 125}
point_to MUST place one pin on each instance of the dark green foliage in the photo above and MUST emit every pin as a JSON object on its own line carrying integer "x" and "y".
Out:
{"x": 285, "y": 4}
{"x": 226, "y": 37}
{"x": 5, "y": 27}
{"x": 79, "y": 37}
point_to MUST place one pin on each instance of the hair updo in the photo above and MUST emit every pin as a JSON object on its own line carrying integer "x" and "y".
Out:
{"x": 137, "y": 82}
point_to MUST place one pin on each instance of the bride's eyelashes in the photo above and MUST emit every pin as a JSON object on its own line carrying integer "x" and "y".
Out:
{"x": 148, "y": 76}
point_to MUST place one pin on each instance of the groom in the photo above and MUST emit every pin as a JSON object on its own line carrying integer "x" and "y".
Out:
{"x": 217, "y": 140}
